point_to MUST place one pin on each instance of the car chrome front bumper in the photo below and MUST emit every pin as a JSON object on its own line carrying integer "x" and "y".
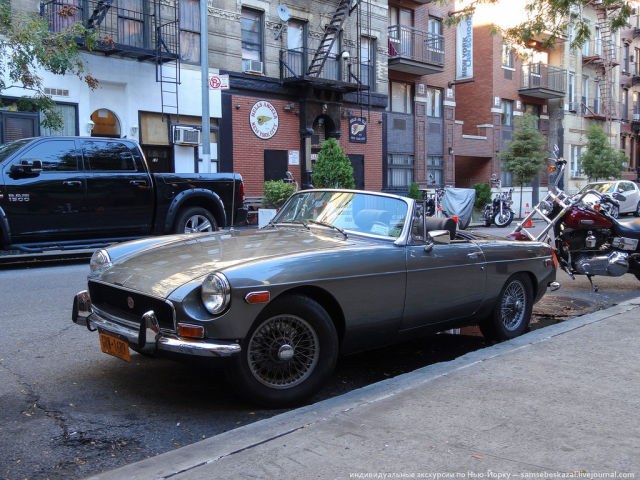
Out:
{"x": 148, "y": 336}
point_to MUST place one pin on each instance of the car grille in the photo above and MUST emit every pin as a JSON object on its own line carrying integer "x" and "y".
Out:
{"x": 113, "y": 300}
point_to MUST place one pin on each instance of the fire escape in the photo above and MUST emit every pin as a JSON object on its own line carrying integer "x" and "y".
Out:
{"x": 150, "y": 33}
{"x": 604, "y": 58}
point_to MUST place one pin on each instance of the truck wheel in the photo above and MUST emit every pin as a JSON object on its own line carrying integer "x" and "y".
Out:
{"x": 195, "y": 220}
{"x": 288, "y": 354}
{"x": 512, "y": 312}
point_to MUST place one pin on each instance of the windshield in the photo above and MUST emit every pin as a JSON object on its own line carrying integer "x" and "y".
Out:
{"x": 8, "y": 148}
{"x": 350, "y": 211}
{"x": 600, "y": 187}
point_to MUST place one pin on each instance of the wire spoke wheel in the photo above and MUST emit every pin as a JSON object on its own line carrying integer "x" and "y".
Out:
{"x": 283, "y": 352}
{"x": 513, "y": 305}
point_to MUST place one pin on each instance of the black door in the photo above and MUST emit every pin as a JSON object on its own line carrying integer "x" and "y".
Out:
{"x": 16, "y": 125}
{"x": 49, "y": 205}
{"x": 119, "y": 191}
{"x": 357, "y": 162}
{"x": 275, "y": 164}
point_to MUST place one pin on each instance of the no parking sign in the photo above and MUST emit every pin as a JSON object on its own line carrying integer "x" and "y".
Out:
{"x": 219, "y": 82}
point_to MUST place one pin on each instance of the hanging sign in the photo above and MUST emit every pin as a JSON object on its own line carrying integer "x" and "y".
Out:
{"x": 464, "y": 49}
{"x": 358, "y": 129}
{"x": 263, "y": 119}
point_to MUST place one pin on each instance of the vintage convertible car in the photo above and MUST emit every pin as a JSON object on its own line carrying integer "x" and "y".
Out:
{"x": 336, "y": 271}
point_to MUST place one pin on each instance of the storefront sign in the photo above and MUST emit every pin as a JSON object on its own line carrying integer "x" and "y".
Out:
{"x": 358, "y": 130}
{"x": 263, "y": 119}
{"x": 464, "y": 49}
{"x": 294, "y": 157}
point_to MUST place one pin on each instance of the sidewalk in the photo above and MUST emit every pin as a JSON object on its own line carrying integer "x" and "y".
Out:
{"x": 560, "y": 399}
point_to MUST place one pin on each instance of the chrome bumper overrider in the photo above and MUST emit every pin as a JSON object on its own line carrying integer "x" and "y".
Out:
{"x": 147, "y": 336}
{"x": 553, "y": 286}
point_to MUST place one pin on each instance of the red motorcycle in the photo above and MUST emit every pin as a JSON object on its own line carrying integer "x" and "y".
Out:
{"x": 587, "y": 239}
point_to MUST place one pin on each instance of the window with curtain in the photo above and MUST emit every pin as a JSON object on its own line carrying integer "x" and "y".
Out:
{"x": 295, "y": 46}
{"x": 434, "y": 102}
{"x": 367, "y": 61}
{"x": 399, "y": 170}
{"x": 251, "y": 23}
{"x": 401, "y": 98}
{"x": 190, "y": 31}
{"x": 69, "y": 122}
{"x": 507, "y": 112}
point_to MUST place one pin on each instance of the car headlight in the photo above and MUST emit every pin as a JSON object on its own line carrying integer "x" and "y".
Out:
{"x": 100, "y": 260}
{"x": 215, "y": 293}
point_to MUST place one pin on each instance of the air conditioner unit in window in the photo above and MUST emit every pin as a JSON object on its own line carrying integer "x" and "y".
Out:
{"x": 251, "y": 66}
{"x": 574, "y": 106}
{"x": 636, "y": 117}
{"x": 186, "y": 136}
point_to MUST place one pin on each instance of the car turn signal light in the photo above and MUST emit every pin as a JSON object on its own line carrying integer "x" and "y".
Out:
{"x": 190, "y": 331}
{"x": 257, "y": 297}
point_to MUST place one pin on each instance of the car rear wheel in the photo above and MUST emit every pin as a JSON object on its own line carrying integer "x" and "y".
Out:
{"x": 288, "y": 355}
{"x": 195, "y": 220}
{"x": 512, "y": 312}
{"x": 637, "y": 212}
{"x": 503, "y": 220}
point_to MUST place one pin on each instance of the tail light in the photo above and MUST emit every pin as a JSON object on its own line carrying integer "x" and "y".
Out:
{"x": 242, "y": 192}
{"x": 555, "y": 259}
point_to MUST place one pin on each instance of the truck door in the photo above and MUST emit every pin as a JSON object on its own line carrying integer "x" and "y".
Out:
{"x": 120, "y": 199}
{"x": 47, "y": 205}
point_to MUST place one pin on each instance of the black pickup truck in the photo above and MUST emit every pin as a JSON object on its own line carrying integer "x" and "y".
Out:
{"x": 71, "y": 192}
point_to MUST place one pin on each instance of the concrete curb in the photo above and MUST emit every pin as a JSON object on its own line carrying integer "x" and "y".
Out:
{"x": 245, "y": 437}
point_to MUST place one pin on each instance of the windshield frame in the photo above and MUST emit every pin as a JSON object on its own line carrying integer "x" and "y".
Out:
{"x": 399, "y": 240}
{"x": 592, "y": 186}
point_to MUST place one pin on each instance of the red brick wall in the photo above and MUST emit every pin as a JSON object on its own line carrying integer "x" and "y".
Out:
{"x": 372, "y": 150}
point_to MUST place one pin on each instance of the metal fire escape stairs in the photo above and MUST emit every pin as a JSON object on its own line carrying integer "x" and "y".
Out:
{"x": 331, "y": 33}
{"x": 99, "y": 13}
{"x": 167, "y": 52}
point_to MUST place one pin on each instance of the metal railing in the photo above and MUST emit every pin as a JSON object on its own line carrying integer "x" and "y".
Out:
{"x": 542, "y": 75}
{"x": 602, "y": 49}
{"x": 414, "y": 44}
{"x": 116, "y": 27}
{"x": 294, "y": 63}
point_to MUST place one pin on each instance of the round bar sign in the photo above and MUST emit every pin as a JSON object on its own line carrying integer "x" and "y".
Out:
{"x": 263, "y": 119}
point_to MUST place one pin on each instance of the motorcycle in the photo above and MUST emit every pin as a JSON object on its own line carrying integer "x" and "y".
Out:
{"x": 499, "y": 210}
{"x": 433, "y": 201}
{"x": 585, "y": 236}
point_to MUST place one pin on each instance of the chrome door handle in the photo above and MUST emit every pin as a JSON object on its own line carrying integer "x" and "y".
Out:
{"x": 473, "y": 256}
{"x": 72, "y": 183}
{"x": 138, "y": 182}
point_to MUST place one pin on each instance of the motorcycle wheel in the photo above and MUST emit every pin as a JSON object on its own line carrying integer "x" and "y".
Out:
{"x": 614, "y": 212}
{"x": 503, "y": 220}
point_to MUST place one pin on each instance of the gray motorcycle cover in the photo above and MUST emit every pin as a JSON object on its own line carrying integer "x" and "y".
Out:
{"x": 459, "y": 202}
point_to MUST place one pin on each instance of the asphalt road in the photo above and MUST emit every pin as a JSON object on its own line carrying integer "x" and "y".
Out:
{"x": 68, "y": 410}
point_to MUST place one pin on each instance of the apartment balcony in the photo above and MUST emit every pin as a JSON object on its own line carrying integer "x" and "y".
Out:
{"x": 415, "y": 51}
{"x": 540, "y": 80}
{"x": 600, "y": 52}
{"x": 148, "y": 33}
{"x": 635, "y": 122}
{"x": 336, "y": 74}
{"x": 598, "y": 110}
{"x": 634, "y": 73}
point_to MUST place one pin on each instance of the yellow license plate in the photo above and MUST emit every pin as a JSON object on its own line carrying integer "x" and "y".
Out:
{"x": 114, "y": 346}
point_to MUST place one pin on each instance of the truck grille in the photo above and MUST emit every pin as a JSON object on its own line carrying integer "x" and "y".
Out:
{"x": 114, "y": 300}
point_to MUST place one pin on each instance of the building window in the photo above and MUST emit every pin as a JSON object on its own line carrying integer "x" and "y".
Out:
{"x": 636, "y": 62}
{"x": 296, "y": 41}
{"x": 506, "y": 178}
{"x": 69, "y": 121}
{"x": 435, "y": 41}
{"x": 435, "y": 167}
{"x": 131, "y": 23}
{"x": 507, "y": 112}
{"x": 572, "y": 33}
{"x": 636, "y": 107}
{"x": 434, "y": 102}
{"x": 534, "y": 110}
{"x": 623, "y": 143}
{"x": 625, "y": 104}
{"x": 507, "y": 55}
{"x": 401, "y": 98}
{"x": 399, "y": 170}
{"x": 400, "y": 16}
{"x": 572, "y": 87}
{"x": 596, "y": 100}
{"x": 576, "y": 170}
{"x": 625, "y": 58}
{"x": 367, "y": 61}
{"x": 585, "y": 93}
{"x": 190, "y": 31}
{"x": 252, "y": 39}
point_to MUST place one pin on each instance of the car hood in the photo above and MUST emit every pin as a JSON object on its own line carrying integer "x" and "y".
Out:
{"x": 159, "y": 268}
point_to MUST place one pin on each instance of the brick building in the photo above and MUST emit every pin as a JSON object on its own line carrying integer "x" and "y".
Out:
{"x": 629, "y": 96}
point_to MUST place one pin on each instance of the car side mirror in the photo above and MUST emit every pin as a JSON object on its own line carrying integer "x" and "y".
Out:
{"x": 437, "y": 237}
{"x": 27, "y": 166}
{"x": 618, "y": 196}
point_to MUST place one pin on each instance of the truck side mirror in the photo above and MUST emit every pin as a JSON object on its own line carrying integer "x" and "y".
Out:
{"x": 27, "y": 166}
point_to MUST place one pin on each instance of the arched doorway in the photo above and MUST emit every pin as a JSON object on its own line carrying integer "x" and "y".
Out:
{"x": 105, "y": 124}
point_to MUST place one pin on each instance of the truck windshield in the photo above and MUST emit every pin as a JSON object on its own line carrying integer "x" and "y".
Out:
{"x": 8, "y": 148}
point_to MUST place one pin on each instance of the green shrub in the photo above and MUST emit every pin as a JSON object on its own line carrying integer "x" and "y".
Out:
{"x": 333, "y": 168}
{"x": 276, "y": 192}
{"x": 414, "y": 191}
{"x": 483, "y": 195}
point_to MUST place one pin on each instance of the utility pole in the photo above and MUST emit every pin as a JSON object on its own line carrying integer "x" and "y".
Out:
{"x": 204, "y": 62}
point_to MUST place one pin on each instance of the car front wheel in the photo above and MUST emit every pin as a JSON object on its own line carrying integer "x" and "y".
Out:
{"x": 512, "y": 312}
{"x": 288, "y": 354}
{"x": 195, "y": 220}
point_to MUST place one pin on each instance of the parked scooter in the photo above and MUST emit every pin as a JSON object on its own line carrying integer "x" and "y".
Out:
{"x": 586, "y": 238}
{"x": 499, "y": 210}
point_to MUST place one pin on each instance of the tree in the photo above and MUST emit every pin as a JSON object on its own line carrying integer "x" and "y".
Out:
{"x": 27, "y": 45}
{"x": 601, "y": 160}
{"x": 525, "y": 154}
{"x": 333, "y": 168}
{"x": 547, "y": 21}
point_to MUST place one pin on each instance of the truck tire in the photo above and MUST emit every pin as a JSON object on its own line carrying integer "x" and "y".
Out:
{"x": 195, "y": 220}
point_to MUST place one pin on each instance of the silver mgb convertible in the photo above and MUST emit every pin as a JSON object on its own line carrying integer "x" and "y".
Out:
{"x": 335, "y": 272}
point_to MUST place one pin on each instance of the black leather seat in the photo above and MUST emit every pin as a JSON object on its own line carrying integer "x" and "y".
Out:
{"x": 627, "y": 227}
{"x": 440, "y": 223}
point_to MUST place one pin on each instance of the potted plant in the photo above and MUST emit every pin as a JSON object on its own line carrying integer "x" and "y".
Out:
{"x": 275, "y": 192}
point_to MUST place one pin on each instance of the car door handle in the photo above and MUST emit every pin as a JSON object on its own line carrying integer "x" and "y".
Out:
{"x": 138, "y": 182}
{"x": 72, "y": 183}
{"x": 473, "y": 255}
